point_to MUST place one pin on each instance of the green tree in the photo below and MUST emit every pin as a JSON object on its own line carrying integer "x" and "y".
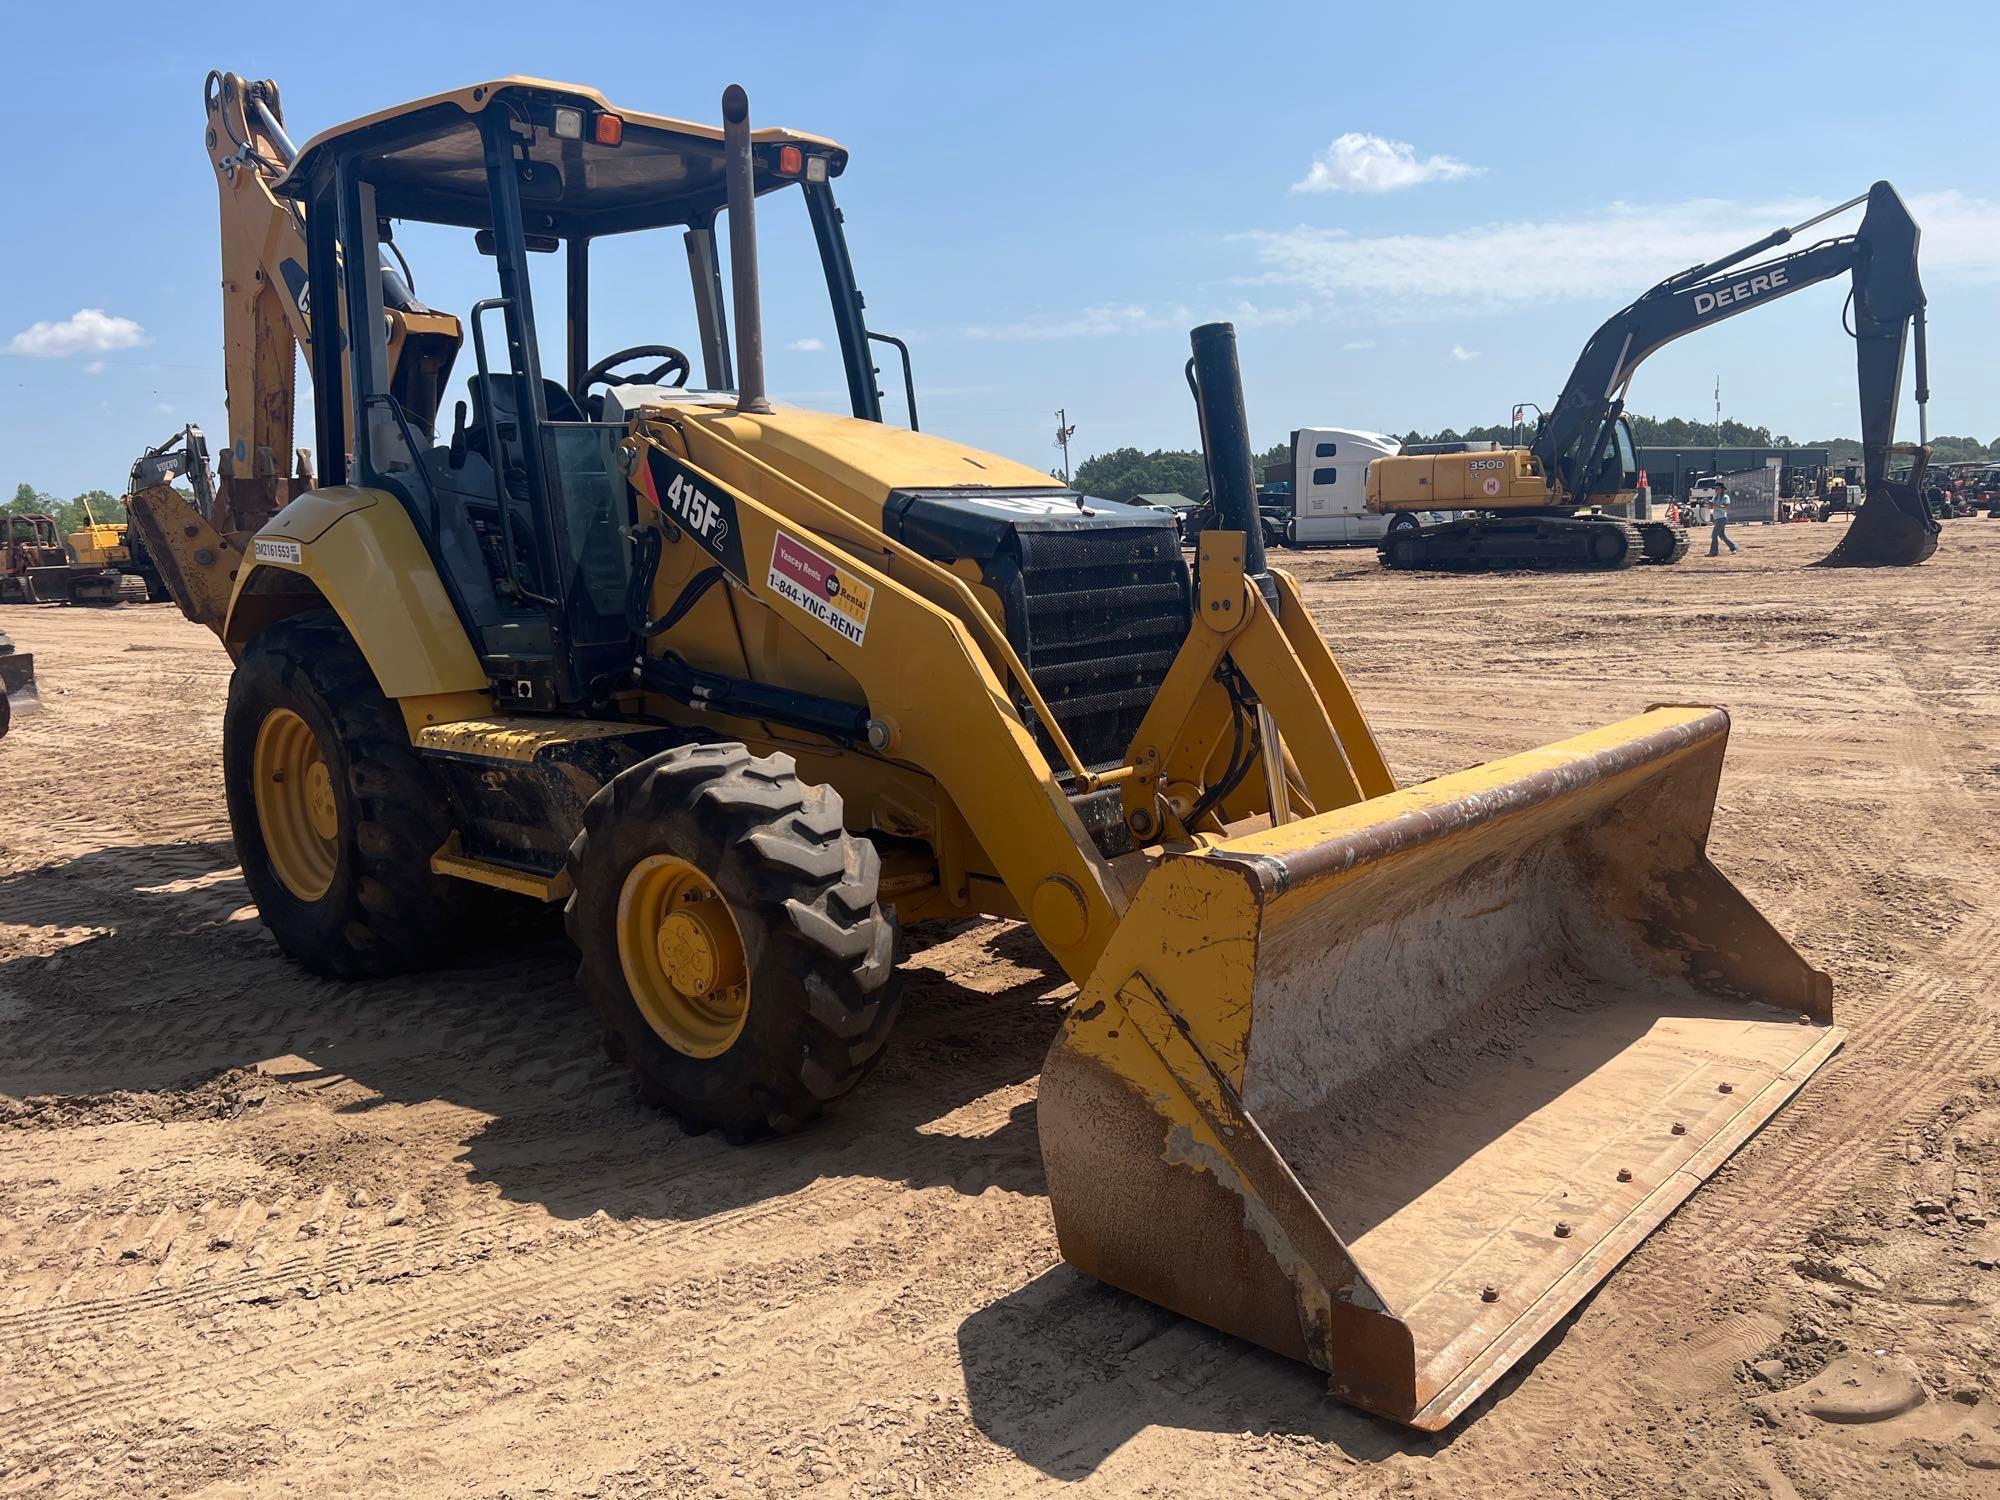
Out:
{"x": 1124, "y": 472}
{"x": 71, "y": 515}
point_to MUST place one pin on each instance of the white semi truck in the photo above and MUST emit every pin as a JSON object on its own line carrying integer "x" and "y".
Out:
{"x": 1328, "y": 487}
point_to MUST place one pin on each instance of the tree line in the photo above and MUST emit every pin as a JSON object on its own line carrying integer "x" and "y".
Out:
{"x": 72, "y": 514}
{"x": 1123, "y": 472}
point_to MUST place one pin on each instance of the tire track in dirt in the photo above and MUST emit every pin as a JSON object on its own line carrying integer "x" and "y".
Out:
{"x": 691, "y": 1168}
{"x": 519, "y": 1314}
{"x": 557, "y": 1272}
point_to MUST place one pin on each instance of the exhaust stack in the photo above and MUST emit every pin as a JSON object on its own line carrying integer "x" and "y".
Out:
{"x": 739, "y": 174}
{"x": 1225, "y": 443}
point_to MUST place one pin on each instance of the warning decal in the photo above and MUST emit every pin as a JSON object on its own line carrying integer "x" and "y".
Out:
{"x": 1492, "y": 486}
{"x": 817, "y": 585}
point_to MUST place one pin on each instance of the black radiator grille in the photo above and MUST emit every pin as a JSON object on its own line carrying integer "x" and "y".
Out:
{"x": 1097, "y": 616}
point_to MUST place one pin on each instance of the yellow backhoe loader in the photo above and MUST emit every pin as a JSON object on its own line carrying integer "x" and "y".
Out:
{"x": 1386, "y": 1079}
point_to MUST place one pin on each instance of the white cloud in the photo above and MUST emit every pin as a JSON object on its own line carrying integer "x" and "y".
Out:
{"x": 1354, "y": 346}
{"x": 91, "y": 330}
{"x": 1462, "y": 354}
{"x": 1085, "y": 323}
{"x": 95, "y": 367}
{"x": 1606, "y": 254}
{"x": 1131, "y": 317}
{"x": 807, "y": 346}
{"x": 164, "y": 408}
{"x": 1358, "y": 163}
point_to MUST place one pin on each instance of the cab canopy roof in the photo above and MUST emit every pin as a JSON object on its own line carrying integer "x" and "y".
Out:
{"x": 427, "y": 161}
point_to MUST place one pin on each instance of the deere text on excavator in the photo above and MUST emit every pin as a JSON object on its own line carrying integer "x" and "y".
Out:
{"x": 1552, "y": 504}
{"x": 1386, "y": 1079}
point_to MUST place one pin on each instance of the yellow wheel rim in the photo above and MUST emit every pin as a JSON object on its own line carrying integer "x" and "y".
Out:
{"x": 296, "y": 807}
{"x": 683, "y": 958}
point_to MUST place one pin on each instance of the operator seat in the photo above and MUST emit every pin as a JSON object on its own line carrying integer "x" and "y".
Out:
{"x": 503, "y": 391}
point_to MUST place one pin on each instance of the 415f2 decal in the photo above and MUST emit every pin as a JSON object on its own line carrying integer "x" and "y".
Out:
{"x": 700, "y": 507}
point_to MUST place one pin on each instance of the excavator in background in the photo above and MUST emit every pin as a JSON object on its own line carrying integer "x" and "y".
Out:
{"x": 1544, "y": 506}
{"x": 1386, "y": 1079}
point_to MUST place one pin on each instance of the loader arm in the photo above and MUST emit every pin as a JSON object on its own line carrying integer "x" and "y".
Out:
{"x": 1888, "y": 300}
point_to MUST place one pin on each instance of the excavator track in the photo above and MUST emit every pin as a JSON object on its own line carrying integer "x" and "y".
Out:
{"x": 108, "y": 589}
{"x": 1665, "y": 543}
{"x": 1569, "y": 544}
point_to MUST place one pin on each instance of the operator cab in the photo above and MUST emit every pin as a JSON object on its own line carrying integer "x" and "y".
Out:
{"x": 518, "y": 492}
{"x": 1614, "y": 478}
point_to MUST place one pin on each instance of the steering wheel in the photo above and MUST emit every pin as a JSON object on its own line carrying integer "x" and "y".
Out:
{"x": 672, "y": 364}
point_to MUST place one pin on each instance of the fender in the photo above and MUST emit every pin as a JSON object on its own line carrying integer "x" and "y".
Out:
{"x": 357, "y": 551}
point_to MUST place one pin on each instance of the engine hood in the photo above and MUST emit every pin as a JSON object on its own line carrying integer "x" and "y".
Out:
{"x": 939, "y": 497}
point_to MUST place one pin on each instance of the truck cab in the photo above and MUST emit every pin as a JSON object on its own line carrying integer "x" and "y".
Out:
{"x": 1329, "y": 493}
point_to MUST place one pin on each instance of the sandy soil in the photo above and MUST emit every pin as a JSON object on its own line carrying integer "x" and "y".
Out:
{"x": 260, "y": 1232}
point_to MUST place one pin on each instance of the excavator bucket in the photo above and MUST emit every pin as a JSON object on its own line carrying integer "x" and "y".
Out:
{"x": 1391, "y": 1089}
{"x": 1893, "y": 528}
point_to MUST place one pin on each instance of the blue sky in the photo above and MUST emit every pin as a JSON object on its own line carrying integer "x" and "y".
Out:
{"x": 1044, "y": 198}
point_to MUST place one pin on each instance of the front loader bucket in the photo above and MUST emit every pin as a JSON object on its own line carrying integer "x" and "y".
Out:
{"x": 1391, "y": 1089}
{"x": 1893, "y": 528}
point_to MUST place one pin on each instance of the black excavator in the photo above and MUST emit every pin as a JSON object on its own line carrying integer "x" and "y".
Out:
{"x": 1541, "y": 506}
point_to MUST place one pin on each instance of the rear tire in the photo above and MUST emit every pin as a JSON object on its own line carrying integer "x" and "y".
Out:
{"x": 381, "y": 910}
{"x": 804, "y": 961}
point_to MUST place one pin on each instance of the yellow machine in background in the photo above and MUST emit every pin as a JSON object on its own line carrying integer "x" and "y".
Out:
{"x": 98, "y": 545}
{"x": 38, "y": 567}
{"x": 1387, "y": 1079}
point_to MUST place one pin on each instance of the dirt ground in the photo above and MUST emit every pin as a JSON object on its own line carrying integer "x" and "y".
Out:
{"x": 262, "y": 1232}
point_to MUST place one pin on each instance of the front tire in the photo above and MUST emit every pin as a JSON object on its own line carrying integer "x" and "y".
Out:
{"x": 334, "y": 816}
{"x": 731, "y": 939}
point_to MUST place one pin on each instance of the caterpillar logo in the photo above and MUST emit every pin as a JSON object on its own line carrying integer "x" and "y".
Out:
{"x": 1742, "y": 291}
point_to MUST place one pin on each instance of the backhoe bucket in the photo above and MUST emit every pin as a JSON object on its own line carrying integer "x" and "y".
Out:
{"x": 1392, "y": 1088}
{"x": 1893, "y": 528}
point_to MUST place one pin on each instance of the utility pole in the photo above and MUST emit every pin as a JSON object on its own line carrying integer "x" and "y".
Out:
{"x": 1064, "y": 432}
{"x": 1715, "y": 458}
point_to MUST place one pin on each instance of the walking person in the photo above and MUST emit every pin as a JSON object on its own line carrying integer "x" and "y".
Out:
{"x": 1718, "y": 532}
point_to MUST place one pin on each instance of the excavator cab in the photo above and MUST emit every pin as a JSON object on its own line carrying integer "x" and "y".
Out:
{"x": 522, "y": 498}
{"x": 1615, "y": 480}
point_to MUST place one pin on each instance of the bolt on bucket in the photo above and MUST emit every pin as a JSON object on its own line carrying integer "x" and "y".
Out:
{"x": 1894, "y": 528}
{"x": 1391, "y": 1089}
